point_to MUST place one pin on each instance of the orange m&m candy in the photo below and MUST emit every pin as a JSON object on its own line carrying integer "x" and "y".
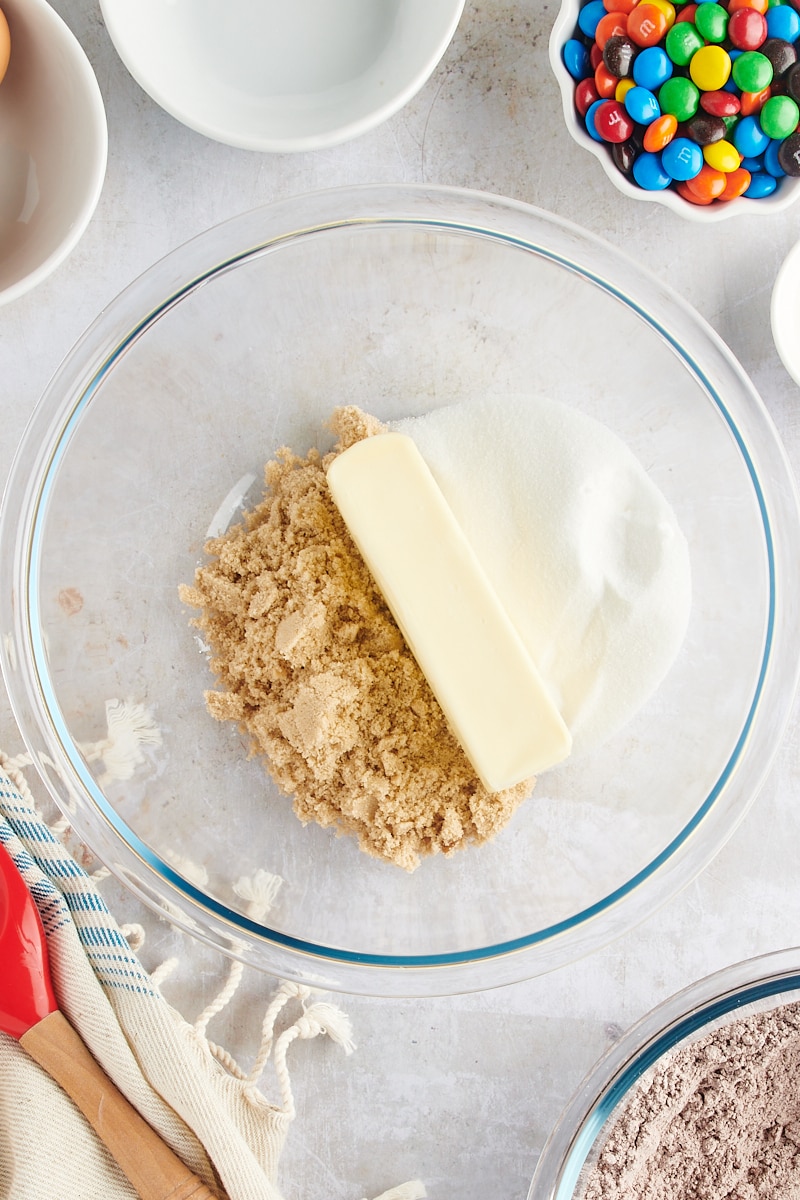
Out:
{"x": 686, "y": 193}
{"x": 736, "y": 183}
{"x": 708, "y": 183}
{"x": 647, "y": 25}
{"x": 753, "y": 102}
{"x": 613, "y": 24}
{"x": 5, "y": 44}
{"x": 659, "y": 133}
{"x": 605, "y": 82}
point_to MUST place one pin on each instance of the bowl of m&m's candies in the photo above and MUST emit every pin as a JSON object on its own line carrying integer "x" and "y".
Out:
{"x": 695, "y": 106}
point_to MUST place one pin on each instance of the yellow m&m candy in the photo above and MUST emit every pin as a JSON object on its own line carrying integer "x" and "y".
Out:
{"x": 710, "y": 68}
{"x": 722, "y": 156}
{"x": 667, "y": 9}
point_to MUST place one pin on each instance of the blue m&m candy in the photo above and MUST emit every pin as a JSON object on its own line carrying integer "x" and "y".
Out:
{"x": 591, "y": 128}
{"x": 682, "y": 158}
{"x": 651, "y": 68}
{"x": 649, "y": 173}
{"x": 772, "y": 164}
{"x": 576, "y": 58}
{"x": 642, "y": 105}
{"x": 590, "y": 17}
{"x": 749, "y": 138}
{"x": 783, "y": 22}
{"x": 761, "y": 185}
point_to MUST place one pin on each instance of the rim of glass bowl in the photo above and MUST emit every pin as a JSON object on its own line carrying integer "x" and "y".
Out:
{"x": 23, "y": 660}
{"x": 785, "y": 194}
{"x": 609, "y": 1082}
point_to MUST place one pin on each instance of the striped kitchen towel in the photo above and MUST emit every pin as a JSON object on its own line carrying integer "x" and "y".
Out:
{"x": 203, "y": 1105}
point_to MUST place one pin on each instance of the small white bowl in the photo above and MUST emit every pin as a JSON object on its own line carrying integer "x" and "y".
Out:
{"x": 564, "y": 27}
{"x": 785, "y": 313}
{"x": 281, "y": 75}
{"x": 53, "y": 146}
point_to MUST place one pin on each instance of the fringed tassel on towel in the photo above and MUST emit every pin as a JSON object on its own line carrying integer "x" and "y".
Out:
{"x": 130, "y": 727}
{"x": 320, "y": 1018}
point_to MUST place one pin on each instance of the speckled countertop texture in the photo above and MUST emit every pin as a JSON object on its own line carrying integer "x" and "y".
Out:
{"x": 460, "y": 1092}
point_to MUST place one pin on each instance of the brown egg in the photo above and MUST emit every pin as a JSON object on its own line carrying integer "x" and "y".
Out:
{"x": 5, "y": 44}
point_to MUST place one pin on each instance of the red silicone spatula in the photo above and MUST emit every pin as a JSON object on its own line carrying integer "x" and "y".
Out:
{"x": 29, "y": 1013}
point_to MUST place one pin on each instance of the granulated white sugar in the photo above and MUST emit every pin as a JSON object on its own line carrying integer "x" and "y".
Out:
{"x": 583, "y": 550}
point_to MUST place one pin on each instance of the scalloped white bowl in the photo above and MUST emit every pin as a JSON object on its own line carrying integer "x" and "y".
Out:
{"x": 784, "y": 310}
{"x": 785, "y": 194}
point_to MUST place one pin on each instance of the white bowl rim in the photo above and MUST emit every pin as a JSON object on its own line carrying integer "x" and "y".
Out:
{"x": 158, "y": 88}
{"x": 99, "y": 133}
{"x": 784, "y": 307}
{"x": 779, "y": 200}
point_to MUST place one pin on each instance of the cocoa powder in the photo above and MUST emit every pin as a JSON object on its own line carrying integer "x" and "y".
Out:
{"x": 717, "y": 1119}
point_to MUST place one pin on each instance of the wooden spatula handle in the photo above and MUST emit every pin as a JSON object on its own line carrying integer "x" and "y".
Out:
{"x": 152, "y": 1168}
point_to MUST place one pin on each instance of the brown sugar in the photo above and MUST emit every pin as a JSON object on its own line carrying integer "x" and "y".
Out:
{"x": 313, "y": 668}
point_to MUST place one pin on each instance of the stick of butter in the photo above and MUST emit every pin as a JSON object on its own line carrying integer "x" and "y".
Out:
{"x": 470, "y": 653}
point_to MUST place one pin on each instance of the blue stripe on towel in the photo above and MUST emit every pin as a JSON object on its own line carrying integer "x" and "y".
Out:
{"x": 65, "y": 894}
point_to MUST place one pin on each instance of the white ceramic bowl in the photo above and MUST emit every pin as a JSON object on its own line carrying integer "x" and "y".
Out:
{"x": 564, "y": 27}
{"x": 270, "y": 75}
{"x": 53, "y": 144}
{"x": 785, "y": 313}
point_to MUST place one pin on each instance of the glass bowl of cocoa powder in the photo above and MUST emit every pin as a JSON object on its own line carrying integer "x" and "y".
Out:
{"x": 207, "y": 676}
{"x": 699, "y": 1098}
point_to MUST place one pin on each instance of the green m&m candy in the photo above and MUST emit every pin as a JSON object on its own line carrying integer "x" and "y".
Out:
{"x": 779, "y": 117}
{"x": 681, "y": 42}
{"x": 712, "y": 22}
{"x": 680, "y": 97}
{"x": 752, "y": 71}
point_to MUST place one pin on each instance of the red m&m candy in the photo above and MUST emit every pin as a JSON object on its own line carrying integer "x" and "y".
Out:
{"x": 747, "y": 29}
{"x": 612, "y": 122}
{"x": 720, "y": 104}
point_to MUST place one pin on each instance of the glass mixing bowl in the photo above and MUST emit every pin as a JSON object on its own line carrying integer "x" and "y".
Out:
{"x": 398, "y": 299}
{"x": 746, "y": 988}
